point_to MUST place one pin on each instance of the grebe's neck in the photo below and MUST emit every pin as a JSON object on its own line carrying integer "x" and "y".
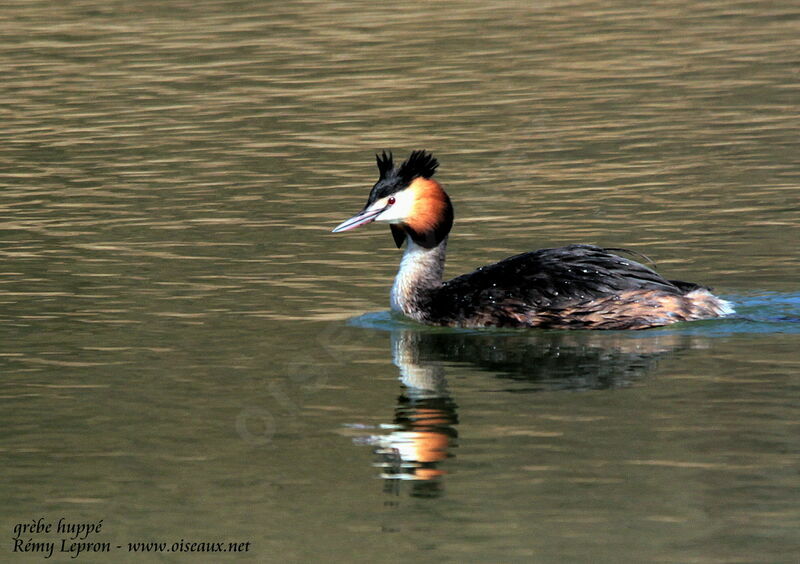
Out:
{"x": 421, "y": 271}
{"x": 423, "y": 379}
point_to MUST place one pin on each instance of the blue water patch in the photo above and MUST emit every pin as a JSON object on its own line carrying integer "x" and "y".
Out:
{"x": 529, "y": 360}
{"x": 765, "y": 312}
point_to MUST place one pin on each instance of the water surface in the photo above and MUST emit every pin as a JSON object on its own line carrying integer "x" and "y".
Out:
{"x": 190, "y": 354}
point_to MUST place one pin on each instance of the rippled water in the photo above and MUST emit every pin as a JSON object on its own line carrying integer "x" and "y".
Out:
{"x": 190, "y": 354}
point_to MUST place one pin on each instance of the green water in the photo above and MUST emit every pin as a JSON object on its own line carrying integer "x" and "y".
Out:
{"x": 189, "y": 354}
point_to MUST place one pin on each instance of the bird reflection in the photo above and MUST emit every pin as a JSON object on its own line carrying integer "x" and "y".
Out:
{"x": 423, "y": 434}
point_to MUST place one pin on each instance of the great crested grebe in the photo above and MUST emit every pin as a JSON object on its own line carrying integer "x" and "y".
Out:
{"x": 572, "y": 287}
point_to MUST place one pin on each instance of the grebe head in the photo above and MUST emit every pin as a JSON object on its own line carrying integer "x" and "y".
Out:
{"x": 409, "y": 200}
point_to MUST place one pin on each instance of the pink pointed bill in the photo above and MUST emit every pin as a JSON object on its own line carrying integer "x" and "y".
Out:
{"x": 363, "y": 218}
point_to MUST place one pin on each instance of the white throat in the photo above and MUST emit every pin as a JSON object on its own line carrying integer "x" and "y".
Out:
{"x": 424, "y": 379}
{"x": 421, "y": 270}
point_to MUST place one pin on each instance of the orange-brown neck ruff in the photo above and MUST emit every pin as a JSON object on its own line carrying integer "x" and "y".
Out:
{"x": 431, "y": 217}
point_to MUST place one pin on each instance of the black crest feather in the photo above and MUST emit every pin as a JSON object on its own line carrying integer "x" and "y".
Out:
{"x": 392, "y": 179}
{"x": 385, "y": 163}
{"x": 420, "y": 163}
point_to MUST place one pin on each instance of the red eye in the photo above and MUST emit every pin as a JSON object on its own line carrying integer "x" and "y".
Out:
{"x": 391, "y": 200}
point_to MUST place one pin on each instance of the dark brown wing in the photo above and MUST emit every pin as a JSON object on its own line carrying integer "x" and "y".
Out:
{"x": 547, "y": 279}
